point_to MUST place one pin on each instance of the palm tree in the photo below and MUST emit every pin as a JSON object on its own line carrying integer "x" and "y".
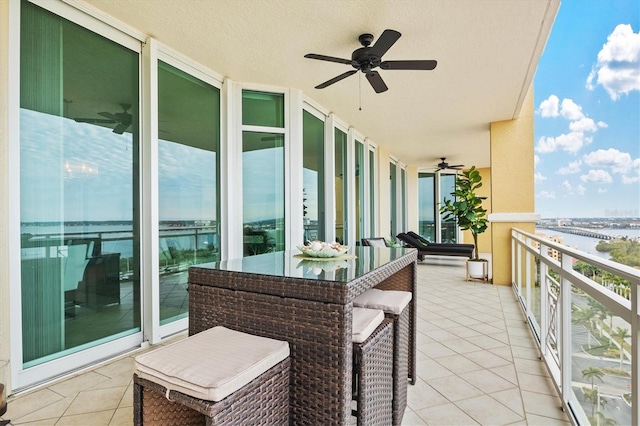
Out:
{"x": 622, "y": 334}
{"x": 601, "y": 311}
{"x": 592, "y": 373}
{"x": 585, "y": 317}
{"x": 592, "y": 396}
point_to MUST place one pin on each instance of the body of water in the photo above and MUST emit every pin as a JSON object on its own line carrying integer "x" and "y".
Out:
{"x": 588, "y": 244}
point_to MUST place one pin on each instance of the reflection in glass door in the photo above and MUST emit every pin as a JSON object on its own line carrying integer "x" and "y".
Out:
{"x": 79, "y": 188}
{"x": 188, "y": 176}
{"x": 313, "y": 177}
{"x": 340, "y": 183}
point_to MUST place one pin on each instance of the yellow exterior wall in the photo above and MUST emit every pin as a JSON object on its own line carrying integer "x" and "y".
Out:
{"x": 512, "y": 184}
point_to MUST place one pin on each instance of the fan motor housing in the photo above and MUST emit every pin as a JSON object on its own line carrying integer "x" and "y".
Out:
{"x": 364, "y": 60}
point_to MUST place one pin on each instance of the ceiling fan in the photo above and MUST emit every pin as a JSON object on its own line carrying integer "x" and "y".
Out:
{"x": 121, "y": 119}
{"x": 443, "y": 165}
{"x": 368, "y": 57}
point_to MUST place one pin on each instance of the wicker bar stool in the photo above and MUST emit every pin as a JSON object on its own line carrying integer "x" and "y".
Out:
{"x": 393, "y": 303}
{"x": 217, "y": 377}
{"x": 372, "y": 337}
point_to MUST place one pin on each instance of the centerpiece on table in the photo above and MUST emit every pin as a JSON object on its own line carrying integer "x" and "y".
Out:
{"x": 322, "y": 249}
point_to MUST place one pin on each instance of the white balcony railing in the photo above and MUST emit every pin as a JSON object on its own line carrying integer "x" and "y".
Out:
{"x": 588, "y": 332}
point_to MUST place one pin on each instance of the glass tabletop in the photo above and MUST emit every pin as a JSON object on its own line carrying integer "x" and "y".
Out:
{"x": 358, "y": 261}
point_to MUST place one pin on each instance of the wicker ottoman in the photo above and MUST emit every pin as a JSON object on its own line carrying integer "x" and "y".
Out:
{"x": 372, "y": 367}
{"x": 394, "y": 304}
{"x": 220, "y": 376}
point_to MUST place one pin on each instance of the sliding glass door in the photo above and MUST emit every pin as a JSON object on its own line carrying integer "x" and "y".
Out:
{"x": 188, "y": 183}
{"x": 79, "y": 186}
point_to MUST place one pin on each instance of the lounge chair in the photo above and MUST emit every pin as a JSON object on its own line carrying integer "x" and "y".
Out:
{"x": 425, "y": 248}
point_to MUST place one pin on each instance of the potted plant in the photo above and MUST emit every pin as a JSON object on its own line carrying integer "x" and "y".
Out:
{"x": 466, "y": 208}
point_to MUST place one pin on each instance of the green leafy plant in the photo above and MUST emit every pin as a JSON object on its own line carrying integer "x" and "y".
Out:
{"x": 466, "y": 206}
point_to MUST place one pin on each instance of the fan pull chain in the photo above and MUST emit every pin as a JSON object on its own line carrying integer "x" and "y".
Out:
{"x": 360, "y": 91}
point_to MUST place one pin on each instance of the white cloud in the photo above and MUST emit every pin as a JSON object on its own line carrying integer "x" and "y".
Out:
{"x": 571, "y": 142}
{"x": 571, "y": 110}
{"x": 536, "y": 160}
{"x": 546, "y": 194}
{"x": 538, "y": 177}
{"x": 618, "y": 162}
{"x": 598, "y": 176}
{"x": 566, "y": 186}
{"x": 618, "y": 65}
{"x": 602, "y": 124}
{"x": 580, "y": 189}
{"x": 602, "y": 190}
{"x": 571, "y": 168}
{"x": 584, "y": 124}
{"x": 549, "y": 107}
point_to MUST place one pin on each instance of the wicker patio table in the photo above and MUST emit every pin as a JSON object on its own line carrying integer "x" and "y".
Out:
{"x": 309, "y": 304}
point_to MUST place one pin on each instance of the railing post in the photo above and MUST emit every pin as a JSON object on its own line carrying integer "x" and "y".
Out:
{"x": 564, "y": 339}
{"x": 635, "y": 353}
{"x": 527, "y": 280}
{"x": 545, "y": 306}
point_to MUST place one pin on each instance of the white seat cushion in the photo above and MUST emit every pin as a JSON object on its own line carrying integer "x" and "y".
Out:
{"x": 365, "y": 321}
{"x": 377, "y": 243}
{"x": 390, "y": 301}
{"x": 212, "y": 364}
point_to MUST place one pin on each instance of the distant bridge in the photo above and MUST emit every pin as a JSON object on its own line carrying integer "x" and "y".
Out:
{"x": 582, "y": 231}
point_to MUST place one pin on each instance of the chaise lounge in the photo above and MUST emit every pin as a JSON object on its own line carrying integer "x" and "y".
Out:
{"x": 425, "y": 248}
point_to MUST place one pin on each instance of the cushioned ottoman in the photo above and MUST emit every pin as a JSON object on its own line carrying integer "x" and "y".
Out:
{"x": 394, "y": 305}
{"x": 372, "y": 367}
{"x": 219, "y": 376}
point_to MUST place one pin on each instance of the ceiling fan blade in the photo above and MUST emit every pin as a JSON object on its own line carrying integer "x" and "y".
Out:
{"x": 385, "y": 41}
{"x": 336, "y": 79}
{"x": 376, "y": 82}
{"x": 120, "y": 128}
{"x": 108, "y": 115}
{"x": 93, "y": 120}
{"x": 408, "y": 65}
{"x": 328, "y": 58}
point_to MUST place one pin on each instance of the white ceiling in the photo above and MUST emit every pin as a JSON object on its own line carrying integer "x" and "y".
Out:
{"x": 487, "y": 53}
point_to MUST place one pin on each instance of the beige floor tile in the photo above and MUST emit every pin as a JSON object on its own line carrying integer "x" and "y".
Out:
{"x": 487, "y": 411}
{"x": 454, "y": 388}
{"x": 46, "y": 422}
{"x": 430, "y": 369}
{"x": 78, "y": 383}
{"x": 525, "y": 353}
{"x": 458, "y": 364}
{"x": 412, "y": 419}
{"x": 96, "y": 418}
{"x": 507, "y": 372}
{"x": 488, "y": 342}
{"x": 534, "y": 420}
{"x": 127, "y": 398}
{"x": 510, "y": 398}
{"x": 50, "y": 411}
{"x": 542, "y": 405}
{"x": 447, "y": 414}
{"x": 536, "y": 383}
{"x": 486, "y": 359}
{"x": 117, "y": 368}
{"x": 487, "y": 381}
{"x": 504, "y": 353}
{"x": 464, "y": 332}
{"x": 96, "y": 400}
{"x": 122, "y": 417}
{"x": 421, "y": 395}
{"x": 461, "y": 346}
{"x": 27, "y": 403}
{"x": 435, "y": 350}
{"x": 530, "y": 366}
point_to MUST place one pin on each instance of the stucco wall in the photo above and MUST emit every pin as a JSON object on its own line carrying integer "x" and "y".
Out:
{"x": 512, "y": 184}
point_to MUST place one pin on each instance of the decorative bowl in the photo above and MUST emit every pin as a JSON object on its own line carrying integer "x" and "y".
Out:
{"x": 322, "y": 249}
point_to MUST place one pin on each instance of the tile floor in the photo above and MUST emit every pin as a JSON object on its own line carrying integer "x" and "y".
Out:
{"x": 477, "y": 365}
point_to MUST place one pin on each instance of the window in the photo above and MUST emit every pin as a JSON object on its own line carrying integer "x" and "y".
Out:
{"x": 340, "y": 184}
{"x": 313, "y": 177}
{"x": 79, "y": 177}
{"x": 188, "y": 183}
{"x": 263, "y": 173}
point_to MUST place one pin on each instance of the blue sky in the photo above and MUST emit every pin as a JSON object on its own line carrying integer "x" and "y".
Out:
{"x": 587, "y": 122}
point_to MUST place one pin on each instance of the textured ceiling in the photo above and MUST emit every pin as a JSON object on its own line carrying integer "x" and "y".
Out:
{"x": 487, "y": 53}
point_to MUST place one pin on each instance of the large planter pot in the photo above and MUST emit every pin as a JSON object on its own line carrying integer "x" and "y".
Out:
{"x": 478, "y": 269}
